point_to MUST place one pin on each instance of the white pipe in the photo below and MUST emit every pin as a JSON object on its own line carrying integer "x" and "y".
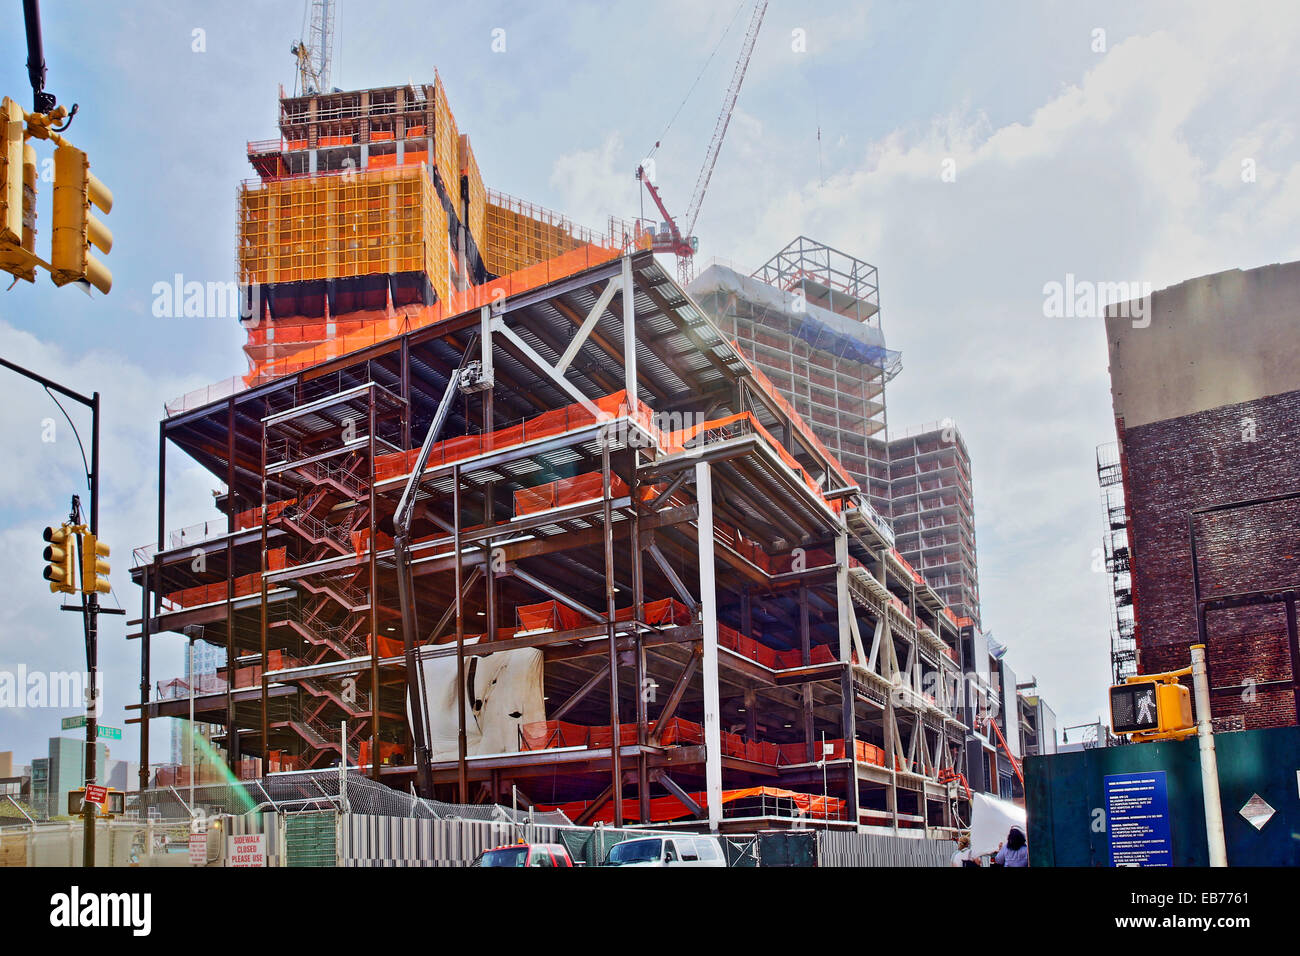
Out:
{"x": 1209, "y": 761}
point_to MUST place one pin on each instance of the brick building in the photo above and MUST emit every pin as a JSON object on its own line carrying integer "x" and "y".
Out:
{"x": 1207, "y": 411}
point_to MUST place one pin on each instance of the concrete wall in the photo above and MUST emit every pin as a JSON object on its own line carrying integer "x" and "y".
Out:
{"x": 1217, "y": 340}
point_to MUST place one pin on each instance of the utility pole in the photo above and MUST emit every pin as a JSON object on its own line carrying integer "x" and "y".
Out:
{"x": 89, "y": 608}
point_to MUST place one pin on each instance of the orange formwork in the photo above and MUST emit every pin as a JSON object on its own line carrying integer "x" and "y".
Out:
{"x": 367, "y": 222}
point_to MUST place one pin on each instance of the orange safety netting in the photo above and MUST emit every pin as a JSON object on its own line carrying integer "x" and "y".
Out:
{"x": 252, "y": 518}
{"x": 566, "y": 491}
{"x": 456, "y": 303}
{"x": 245, "y": 585}
{"x": 670, "y": 808}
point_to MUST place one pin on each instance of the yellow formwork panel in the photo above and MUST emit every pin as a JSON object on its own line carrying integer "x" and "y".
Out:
{"x": 477, "y": 194}
{"x": 446, "y": 142}
{"x": 372, "y": 222}
{"x": 520, "y": 235}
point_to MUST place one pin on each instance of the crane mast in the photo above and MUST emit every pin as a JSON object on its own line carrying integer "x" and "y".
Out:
{"x": 315, "y": 53}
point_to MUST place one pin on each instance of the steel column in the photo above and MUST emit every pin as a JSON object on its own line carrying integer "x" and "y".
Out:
{"x": 709, "y": 620}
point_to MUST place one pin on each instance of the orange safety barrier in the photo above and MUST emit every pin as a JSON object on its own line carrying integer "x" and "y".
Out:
{"x": 663, "y": 809}
{"x": 389, "y": 753}
{"x": 211, "y": 593}
{"x": 253, "y": 517}
{"x": 549, "y": 615}
{"x": 566, "y": 491}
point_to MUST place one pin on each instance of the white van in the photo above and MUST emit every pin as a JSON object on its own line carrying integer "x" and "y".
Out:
{"x": 685, "y": 850}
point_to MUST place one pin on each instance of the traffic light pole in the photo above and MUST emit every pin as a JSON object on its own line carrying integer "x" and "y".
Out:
{"x": 89, "y": 602}
{"x": 1209, "y": 761}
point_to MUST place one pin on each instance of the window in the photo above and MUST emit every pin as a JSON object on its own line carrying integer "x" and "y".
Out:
{"x": 541, "y": 857}
{"x": 505, "y": 856}
{"x": 687, "y": 848}
{"x": 634, "y": 851}
{"x": 708, "y": 849}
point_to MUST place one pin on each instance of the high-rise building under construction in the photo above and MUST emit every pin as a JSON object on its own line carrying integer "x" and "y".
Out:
{"x": 502, "y": 499}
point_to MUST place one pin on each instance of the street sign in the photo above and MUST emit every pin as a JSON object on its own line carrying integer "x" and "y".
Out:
{"x": 96, "y": 794}
{"x": 246, "y": 850}
{"x": 101, "y": 731}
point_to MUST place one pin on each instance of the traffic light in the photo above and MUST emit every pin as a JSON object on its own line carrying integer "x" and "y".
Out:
{"x": 1152, "y": 707}
{"x": 61, "y": 569}
{"x": 113, "y": 806}
{"x": 75, "y": 228}
{"x": 17, "y": 195}
{"x": 11, "y": 172}
{"x": 94, "y": 570}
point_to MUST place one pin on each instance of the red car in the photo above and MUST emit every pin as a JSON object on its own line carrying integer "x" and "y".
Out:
{"x": 525, "y": 854}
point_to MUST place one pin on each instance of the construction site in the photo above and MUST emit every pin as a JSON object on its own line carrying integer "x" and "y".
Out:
{"x": 512, "y": 514}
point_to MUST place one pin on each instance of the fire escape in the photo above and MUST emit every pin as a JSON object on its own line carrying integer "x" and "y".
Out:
{"x": 1117, "y": 557}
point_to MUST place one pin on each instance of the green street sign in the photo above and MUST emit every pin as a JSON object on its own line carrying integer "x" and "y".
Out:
{"x": 101, "y": 732}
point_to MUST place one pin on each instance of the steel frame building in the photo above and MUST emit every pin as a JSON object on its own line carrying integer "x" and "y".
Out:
{"x": 838, "y": 674}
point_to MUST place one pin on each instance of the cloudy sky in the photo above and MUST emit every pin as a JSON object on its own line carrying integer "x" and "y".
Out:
{"x": 974, "y": 152}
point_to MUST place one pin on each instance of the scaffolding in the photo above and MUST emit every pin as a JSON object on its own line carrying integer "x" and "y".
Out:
{"x": 726, "y": 636}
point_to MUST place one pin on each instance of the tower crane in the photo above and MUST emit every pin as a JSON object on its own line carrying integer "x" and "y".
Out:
{"x": 315, "y": 53}
{"x": 683, "y": 243}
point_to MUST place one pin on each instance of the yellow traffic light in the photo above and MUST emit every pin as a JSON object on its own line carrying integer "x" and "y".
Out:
{"x": 1152, "y": 707}
{"x": 61, "y": 568}
{"x": 75, "y": 229}
{"x": 11, "y": 173}
{"x": 94, "y": 570}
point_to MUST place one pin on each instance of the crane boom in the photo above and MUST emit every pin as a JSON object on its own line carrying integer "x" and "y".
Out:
{"x": 724, "y": 118}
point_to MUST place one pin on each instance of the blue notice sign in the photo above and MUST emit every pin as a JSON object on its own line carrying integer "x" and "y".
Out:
{"x": 1137, "y": 819}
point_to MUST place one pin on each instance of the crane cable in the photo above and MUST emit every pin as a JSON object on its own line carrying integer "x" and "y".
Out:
{"x": 698, "y": 76}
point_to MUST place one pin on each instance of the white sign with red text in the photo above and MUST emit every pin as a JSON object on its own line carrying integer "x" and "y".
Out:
{"x": 246, "y": 850}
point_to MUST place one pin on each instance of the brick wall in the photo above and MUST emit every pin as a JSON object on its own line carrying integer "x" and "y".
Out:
{"x": 1208, "y": 458}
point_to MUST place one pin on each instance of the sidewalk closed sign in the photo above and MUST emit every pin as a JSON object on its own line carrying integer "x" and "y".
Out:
{"x": 246, "y": 850}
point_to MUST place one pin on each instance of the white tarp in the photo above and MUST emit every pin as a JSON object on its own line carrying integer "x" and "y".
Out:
{"x": 503, "y": 691}
{"x": 991, "y": 820}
